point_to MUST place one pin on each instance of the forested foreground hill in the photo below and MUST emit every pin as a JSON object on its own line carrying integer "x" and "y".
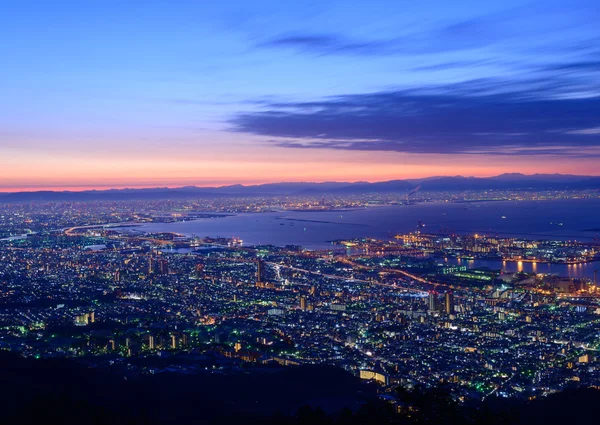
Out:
{"x": 66, "y": 392}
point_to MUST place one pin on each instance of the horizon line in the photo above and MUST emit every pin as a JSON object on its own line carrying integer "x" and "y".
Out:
{"x": 101, "y": 188}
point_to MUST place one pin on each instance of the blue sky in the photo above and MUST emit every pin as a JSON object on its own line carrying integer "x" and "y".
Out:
{"x": 228, "y": 84}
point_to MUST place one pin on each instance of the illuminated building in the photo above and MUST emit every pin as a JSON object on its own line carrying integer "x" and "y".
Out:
{"x": 449, "y": 302}
{"x": 163, "y": 267}
{"x": 259, "y": 266}
{"x": 302, "y": 303}
{"x": 375, "y": 376}
{"x": 82, "y": 319}
{"x": 432, "y": 301}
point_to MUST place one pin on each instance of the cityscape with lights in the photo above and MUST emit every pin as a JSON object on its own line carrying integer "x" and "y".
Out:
{"x": 325, "y": 212}
{"x": 82, "y": 281}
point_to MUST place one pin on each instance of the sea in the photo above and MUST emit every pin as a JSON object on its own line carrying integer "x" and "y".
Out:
{"x": 565, "y": 219}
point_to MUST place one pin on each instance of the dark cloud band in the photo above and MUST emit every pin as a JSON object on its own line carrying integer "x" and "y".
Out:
{"x": 537, "y": 117}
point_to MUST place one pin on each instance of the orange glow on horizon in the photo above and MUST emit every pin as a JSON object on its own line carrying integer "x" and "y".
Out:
{"x": 22, "y": 171}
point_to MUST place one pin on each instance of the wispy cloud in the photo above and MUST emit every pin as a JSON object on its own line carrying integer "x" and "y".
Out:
{"x": 462, "y": 35}
{"x": 331, "y": 44}
{"x": 586, "y": 131}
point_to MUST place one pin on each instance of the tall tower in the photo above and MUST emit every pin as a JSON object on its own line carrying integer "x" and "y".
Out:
{"x": 163, "y": 266}
{"x": 449, "y": 304}
{"x": 303, "y": 303}
{"x": 432, "y": 301}
{"x": 259, "y": 271}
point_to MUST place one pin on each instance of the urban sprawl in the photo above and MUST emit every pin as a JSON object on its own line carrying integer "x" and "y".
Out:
{"x": 394, "y": 311}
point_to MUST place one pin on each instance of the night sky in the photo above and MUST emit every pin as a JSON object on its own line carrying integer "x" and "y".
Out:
{"x": 171, "y": 93}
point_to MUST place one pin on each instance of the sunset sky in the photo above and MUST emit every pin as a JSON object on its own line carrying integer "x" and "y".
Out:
{"x": 99, "y": 94}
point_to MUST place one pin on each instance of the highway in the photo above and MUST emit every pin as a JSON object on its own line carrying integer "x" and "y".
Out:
{"x": 348, "y": 279}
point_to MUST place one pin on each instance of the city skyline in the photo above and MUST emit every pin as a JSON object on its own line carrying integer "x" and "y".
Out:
{"x": 487, "y": 300}
{"x": 143, "y": 95}
{"x": 321, "y": 212}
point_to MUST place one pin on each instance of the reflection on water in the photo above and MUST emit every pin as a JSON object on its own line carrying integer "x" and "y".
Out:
{"x": 581, "y": 270}
{"x": 527, "y": 219}
{"x": 316, "y": 230}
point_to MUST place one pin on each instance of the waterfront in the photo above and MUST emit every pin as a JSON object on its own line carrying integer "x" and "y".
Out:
{"x": 581, "y": 270}
{"x": 560, "y": 219}
{"x": 143, "y": 304}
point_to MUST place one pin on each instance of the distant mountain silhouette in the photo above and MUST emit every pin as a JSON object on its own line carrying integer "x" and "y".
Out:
{"x": 511, "y": 181}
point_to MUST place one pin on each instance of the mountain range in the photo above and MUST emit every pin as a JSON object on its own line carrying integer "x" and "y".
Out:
{"x": 512, "y": 181}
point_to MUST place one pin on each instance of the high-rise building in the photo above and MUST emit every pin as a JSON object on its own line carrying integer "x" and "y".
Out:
{"x": 163, "y": 266}
{"x": 302, "y": 303}
{"x": 151, "y": 342}
{"x": 259, "y": 271}
{"x": 449, "y": 304}
{"x": 432, "y": 302}
{"x": 82, "y": 319}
